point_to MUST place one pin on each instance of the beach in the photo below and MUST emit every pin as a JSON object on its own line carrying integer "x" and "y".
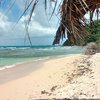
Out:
{"x": 73, "y": 76}
{"x": 49, "y": 49}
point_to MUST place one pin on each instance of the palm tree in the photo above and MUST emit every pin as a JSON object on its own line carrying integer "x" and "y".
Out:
{"x": 72, "y": 21}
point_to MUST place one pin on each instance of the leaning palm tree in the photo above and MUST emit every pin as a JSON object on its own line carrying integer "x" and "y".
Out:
{"x": 72, "y": 21}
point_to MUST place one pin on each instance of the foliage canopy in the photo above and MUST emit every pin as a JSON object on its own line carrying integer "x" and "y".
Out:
{"x": 94, "y": 29}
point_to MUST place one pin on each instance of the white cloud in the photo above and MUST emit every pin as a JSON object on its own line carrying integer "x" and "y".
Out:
{"x": 34, "y": 26}
{"x": 3, "y": 20}
{"x": 8, "y": 30}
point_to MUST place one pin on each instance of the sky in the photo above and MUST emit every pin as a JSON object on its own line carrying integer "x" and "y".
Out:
{"x": 12, "y": 32}
{"x": 41, "y": 29}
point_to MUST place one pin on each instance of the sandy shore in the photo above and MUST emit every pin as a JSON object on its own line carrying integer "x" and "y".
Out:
{"x": 75, "y": 76}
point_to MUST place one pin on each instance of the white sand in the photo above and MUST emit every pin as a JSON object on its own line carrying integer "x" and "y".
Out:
{"x": 76, "y": 76}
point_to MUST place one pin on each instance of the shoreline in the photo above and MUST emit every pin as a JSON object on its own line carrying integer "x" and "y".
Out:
{"x": 74, "y": 76}
{"x": 18, "y": 70}
{"x": 21, "y": 62}
{"x": 33, "y": 60}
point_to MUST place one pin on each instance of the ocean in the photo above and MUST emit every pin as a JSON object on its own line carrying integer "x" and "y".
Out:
{"x": 12, "y": 55}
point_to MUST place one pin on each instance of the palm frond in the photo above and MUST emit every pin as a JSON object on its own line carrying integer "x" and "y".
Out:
{"x": 72, "y": 15}
{"x": 32, "y": 10}
{"x": 53, "y": 9}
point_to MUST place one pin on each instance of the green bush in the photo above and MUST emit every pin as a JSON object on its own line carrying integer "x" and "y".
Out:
{"x": 94, "y": 29}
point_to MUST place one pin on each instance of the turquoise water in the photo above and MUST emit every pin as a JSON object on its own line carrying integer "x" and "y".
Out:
{"x": 12, "y": 55}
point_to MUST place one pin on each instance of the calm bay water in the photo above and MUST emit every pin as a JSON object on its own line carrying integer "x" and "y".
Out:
{"x": 16, "y": 54}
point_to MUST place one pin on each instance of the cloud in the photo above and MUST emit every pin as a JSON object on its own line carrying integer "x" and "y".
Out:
{"x": 35, "y": 28}
{"x": 10, "y": 31}
{"x": 3, "y": 20}
{"x": 4, "y": 24}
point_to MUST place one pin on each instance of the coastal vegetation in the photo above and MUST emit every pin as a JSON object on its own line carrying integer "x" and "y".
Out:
{"x": 94, "y": 29}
